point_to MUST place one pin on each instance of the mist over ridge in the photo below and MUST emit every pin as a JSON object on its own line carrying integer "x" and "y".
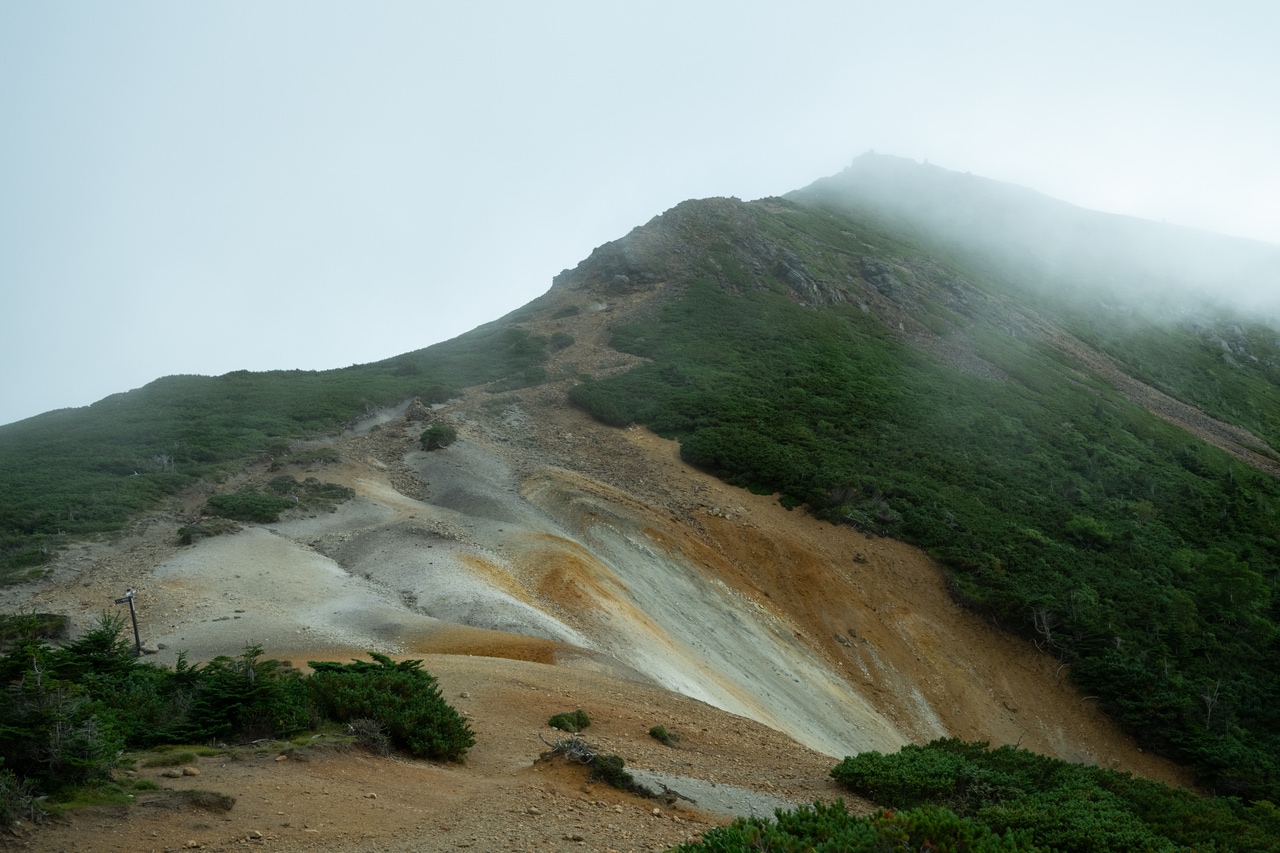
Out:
{"x": 1035, "y": 241}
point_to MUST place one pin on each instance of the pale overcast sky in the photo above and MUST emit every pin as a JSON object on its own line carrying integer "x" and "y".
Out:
{"x": 206, "y": 187}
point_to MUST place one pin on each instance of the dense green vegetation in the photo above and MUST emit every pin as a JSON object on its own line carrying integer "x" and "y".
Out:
{"x": 84, "y": 471}
{"x": 281, "y": 493}
{"x": 952, "y": 795}
{"x": 1137, "y": 553}
{"x": 402, "y": 697}
{"x": 833, "y": 829}
{"x": 69, "y": 712}
{"x": 1059, "y": 805}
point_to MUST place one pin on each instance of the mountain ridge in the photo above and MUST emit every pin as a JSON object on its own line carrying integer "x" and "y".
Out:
{"x": 1049, "y": 457}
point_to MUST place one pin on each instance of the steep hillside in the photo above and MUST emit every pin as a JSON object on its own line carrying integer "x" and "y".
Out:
{"x": 860, "y": 369}
{"x": 830, "y": 463}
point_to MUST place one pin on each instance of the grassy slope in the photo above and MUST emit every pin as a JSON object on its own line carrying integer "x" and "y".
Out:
{"x": 1119, "y": 542}
{"x": 78, "y": 471}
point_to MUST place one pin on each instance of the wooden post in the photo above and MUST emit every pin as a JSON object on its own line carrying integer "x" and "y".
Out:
{"x": 133, "y": 614}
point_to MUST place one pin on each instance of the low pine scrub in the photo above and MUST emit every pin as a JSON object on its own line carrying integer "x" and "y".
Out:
{"x": 437, "y": 436}
{"x": 1056, "y": 804}
{"x": 665, "y": 736}
{"x": 572, "y": 722}
{"x": 833, "y": 829}
{"x": 248, "y": 505}
{"x": 67, "y": 714}
{"x": 402, "y": 697}
{"x": 611, "y": 769}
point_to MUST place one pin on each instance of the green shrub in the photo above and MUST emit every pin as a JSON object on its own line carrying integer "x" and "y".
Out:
{"x": 248, "y": 505}
{"x": 1058, "y": 805}
{"x": 573, "y": 722}
{"x": 402, "y": 697}
{"x": 246, "y": 696}
{"x": 53, "y": 734}
{"x": 833, "y": 829}
{"x": 437, "y": 436}
{"x": 610, "y": 770}
{"x": 561, "y": 340}
{"x": 661, "y": 734}
{"x": 914, "y": 776}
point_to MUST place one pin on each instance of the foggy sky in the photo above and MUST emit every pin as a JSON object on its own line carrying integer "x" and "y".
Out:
{"x": 199, "y": 188}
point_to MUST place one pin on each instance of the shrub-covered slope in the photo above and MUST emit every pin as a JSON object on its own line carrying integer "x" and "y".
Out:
{"x": 921, "y": 364}
{"x": 88, "y": 470}
{"x": 862, "y": 368}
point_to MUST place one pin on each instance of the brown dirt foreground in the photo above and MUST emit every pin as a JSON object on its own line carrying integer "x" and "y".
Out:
{"x": 340, "y": 798}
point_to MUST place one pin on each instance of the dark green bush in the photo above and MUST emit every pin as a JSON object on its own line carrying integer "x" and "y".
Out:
{"x": 402, "y": 697}
{"x": 67, "y": 713}
{"x": 55, "y": 735}
{"x": 248, "y": 505}
{"x": 249, "y": 697}
{"x": 1058, "y": 805}
{"x": 833, "y": 829}
{"x": 610, "y": 770}
{"x": 661, "y": 734}
{"x": 914, "y": 776}
{"x": 437, "y": 436}
{"x": 574, "y": 721}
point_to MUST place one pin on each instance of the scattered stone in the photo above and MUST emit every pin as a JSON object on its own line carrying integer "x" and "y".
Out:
{"x": 172, "y": 773}
{"x": 191, "y": 771}
{"x": 281, "y": 757}
{"x": 371, "y": 796}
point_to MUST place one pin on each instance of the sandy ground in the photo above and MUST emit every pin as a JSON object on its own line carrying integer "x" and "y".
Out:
{"x": 501, "y": 798}
{"x": 544, "y": 563}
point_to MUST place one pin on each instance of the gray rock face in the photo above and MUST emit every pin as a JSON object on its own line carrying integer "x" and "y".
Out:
{"x": 879, "y": 275}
